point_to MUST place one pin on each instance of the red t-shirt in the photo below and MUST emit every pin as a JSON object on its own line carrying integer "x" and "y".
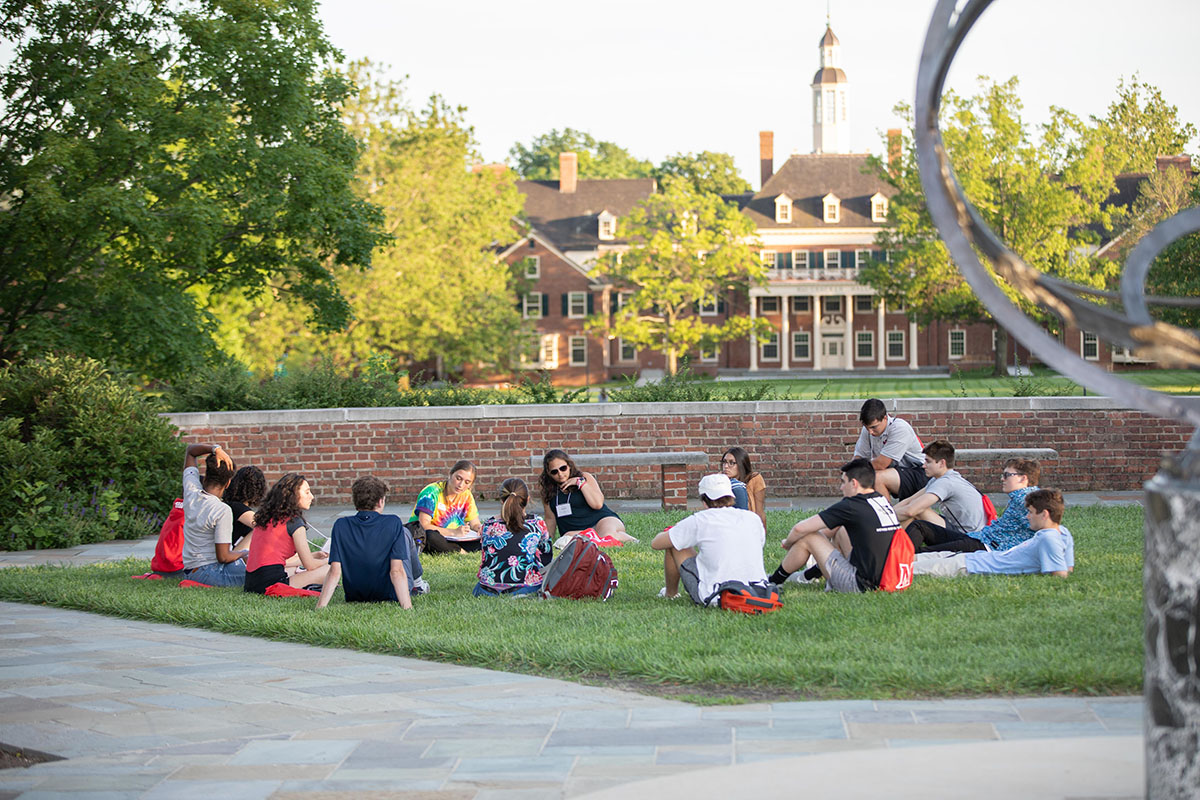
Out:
{"x": 273, "y": 544}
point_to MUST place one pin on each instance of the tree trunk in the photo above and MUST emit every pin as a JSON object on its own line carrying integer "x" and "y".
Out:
{"x": 672, "y": 361}
{"x": 1000, "y": 366}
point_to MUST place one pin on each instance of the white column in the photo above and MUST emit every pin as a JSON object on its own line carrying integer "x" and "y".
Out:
{"x": 753, "y": 338}
{"x": 912, "y": 344}
{"x": 785, "y": 334}
{"x": 880, "y": 344}
{"x": 851, "y": 347}
{"x": 816, "y": 334}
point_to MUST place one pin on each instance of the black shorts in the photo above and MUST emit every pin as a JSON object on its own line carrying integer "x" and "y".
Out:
{"x": 912, "y": 480}
{"x": 927, "y": 537}
{"x": 258, "y": 580}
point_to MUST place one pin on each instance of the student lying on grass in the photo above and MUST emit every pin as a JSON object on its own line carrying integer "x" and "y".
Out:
{"x": 721, "y": 543}
{"x": 280, "y": 539}
{"x": 374, "y": 552}
{"x": 1051, "y": 551}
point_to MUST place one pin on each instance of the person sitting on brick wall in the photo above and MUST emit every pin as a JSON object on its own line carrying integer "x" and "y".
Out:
{"x": 208, "y": 554}
{"x": 721, "y": 543}
{"x": 372, "y": 552}
{"x": 960, "y": 502}
{"x": 1051, "y": 551}
{"x": 893, "y": 449}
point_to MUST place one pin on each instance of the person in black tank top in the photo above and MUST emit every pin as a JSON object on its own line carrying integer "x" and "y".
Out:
{"x": 573, "y": 501}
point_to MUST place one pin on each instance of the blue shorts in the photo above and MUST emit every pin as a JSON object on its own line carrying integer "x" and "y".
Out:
{"x": 218, "y": 574}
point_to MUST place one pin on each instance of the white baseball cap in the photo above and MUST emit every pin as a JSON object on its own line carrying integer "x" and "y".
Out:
{"x": 716, "y": 486}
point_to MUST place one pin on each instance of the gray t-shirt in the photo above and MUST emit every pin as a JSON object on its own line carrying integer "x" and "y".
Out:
{"x": 962, "y": 505}
{"x": 207, "y": 522}
{"x": 898, "y": 442}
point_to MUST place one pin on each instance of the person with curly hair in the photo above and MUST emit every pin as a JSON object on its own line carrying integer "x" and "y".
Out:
{"x": 245, "y": 491}
{"x": 572, "y": 500}
{"x": 515, "y": 548}
{"x": 280, "y": 535}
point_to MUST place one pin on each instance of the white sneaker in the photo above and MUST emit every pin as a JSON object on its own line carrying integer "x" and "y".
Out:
{"x": 420, "y": 586}
{"x": 663, "y": 594}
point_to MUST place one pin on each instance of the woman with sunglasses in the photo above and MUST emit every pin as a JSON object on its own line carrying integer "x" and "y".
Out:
{"x": 573, "y": 502}
{"x": 735, "y": 463}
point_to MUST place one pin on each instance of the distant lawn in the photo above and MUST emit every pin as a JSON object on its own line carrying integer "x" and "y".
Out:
{"x": 973, "y": 383}
{"x": 968, "y": 636}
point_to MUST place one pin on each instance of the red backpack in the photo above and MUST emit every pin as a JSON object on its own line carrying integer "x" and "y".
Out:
{"x": 748, "y": 598}
{"x": 989, "y": 510}
{"x": 580, "y": 570}
{"x": 898, "y": 568}
{"x": 168, "y": 553}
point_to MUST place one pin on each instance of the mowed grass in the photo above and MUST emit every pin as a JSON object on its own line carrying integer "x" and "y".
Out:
{"x": 960, "y": 637}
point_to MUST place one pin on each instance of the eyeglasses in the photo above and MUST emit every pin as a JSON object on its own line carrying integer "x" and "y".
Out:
{"x": 556, "y": 470}
{"x": 1010, "y": 474}
{"x": 729, "y": 462}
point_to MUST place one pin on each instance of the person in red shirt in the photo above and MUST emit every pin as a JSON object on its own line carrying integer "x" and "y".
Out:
{"x": 280, "y": 537}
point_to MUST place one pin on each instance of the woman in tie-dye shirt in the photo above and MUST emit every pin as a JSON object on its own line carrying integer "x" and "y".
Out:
{"x": 448, "y": 519}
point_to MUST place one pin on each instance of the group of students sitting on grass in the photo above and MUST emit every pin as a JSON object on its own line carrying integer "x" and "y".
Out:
{"x": 239, "y": 533}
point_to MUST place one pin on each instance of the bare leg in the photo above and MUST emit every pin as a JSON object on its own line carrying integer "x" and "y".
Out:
{"x": 672, "y": 558}
{"x": 308, "y": 576}
{"x": 614, "y": 527}
{"x": 887, "y": 482}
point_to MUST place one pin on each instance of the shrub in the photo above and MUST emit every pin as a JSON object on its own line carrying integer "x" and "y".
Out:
{"x": 79, "y": 451}
{"x": 685, "y": 387}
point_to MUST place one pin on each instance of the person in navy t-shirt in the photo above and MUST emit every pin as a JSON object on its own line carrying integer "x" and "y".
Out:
{"x": 371, "y": 551}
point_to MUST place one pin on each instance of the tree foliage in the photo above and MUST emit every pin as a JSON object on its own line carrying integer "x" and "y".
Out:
{"x": 597, "y": 159}
{"x": 705, "y": 171}
{"x": 1176, "y": 270}
{"x": 1140, "y": 126}
{"x": 685, "y": 248}
{"x": 148, "y": 147}
{"x": 436, "y": 287}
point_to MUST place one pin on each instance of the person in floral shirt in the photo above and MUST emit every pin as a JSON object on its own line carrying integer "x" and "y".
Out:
{"x": 515, "y": 548}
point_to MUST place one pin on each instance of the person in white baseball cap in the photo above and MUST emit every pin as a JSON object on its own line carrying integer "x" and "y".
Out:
{"x": 719, "y": 544}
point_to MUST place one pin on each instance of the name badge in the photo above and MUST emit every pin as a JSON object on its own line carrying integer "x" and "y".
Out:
{"x": 563, "y": 509}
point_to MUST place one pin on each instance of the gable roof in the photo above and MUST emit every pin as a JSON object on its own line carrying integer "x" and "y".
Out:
{"x": 807, "y": 179}
{"x": 570, "y": 219}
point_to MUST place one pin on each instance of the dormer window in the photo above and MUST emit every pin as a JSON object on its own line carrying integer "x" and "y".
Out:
{"x": 608, "y": 226}
{"x": 879, "y": 208}
{"x": 783, "y": 208}
{"x": 833, "y": 207}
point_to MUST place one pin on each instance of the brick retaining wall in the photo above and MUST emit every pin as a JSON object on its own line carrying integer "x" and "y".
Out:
{"x": 797, "y": 445}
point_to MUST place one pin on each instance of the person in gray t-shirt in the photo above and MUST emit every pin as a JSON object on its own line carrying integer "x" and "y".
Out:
{"x": 208, "y": 556}
{"x": 892, "y": 447}
{"x": 960, "y": 502}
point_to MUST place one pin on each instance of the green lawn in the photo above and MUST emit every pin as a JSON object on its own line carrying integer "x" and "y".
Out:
{"x": 975, "y": 383}
{"x": 968, "y": 636}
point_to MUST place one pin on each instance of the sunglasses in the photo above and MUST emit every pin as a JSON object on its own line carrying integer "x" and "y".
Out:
{"x": 1010, "y": 474}
{"x": 556, "y": 470}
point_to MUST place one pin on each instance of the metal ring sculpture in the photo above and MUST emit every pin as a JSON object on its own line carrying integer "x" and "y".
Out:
{"x": 966, "y": 234}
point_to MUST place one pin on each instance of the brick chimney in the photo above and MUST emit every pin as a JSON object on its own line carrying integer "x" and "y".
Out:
{"x": 1164, "y": 163}
{"x": 895, "y": 146}
{"x": 766, "y": 156}
{"x": 568, "y": 172}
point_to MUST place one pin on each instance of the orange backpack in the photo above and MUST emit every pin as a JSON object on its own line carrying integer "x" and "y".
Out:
{"x": 898, "y": 568}
{"x": 168, "y": 553}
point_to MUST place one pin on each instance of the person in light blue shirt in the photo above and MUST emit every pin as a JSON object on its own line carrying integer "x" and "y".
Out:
{"x": 1051, "y": 550}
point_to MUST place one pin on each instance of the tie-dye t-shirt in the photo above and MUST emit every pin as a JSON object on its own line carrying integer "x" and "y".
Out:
{"x": 444, "y": 512}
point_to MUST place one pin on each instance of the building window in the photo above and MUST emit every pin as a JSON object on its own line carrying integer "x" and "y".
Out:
{"x": 533, "y": 267}
{"x": 769, "y": 349}
{"x": 768, "y": 305}
{"x": 578, "y": 351}
{"x": 800, "y": 259}
{"x": 710, "y": 355}
{"x": 833, "y": 208}
{"x": 783, "y": 208}
{"x": 608, "y": 226}
{"x": 958, "y": 344}
{"x": 531, "y": 305}
{"x": 862, "y": 258}
{"x": 623, "y": 299}
{"x": 801, "y": 347}
{"x": 895, "y": 345}
{"x": 577, "y": 305}
{"x": 879, "y": 208}
{"x": 830, "y": 110}
{"x": 1090, "y": 346}
{"x": 833, "y": 259}
{"x": 864, "y": 345}
{"x": 548, "y": 354}
{"x": 801, "y": 304}
{"x": 863, "y": 303}
{"x": 833, "y": 305}
{"x": 626, "y": 350}
{"x": 768, "y": 258}
{"x": 708, "y": 306}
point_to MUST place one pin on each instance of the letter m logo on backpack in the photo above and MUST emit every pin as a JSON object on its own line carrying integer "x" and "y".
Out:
{"x": 897, "y": 569}
{"x": 580, "y": 570}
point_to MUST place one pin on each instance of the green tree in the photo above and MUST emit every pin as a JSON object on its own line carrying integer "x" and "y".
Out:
{"x": 1140, "y": 126}
{"x": 1036, "y": 200}
{"x": 437, "y": 287}
{"x": 706, "y": 171}
{"x": 597, "y": 159}
{"x": 150, "y": 147}
{"x": 685, "y": 248}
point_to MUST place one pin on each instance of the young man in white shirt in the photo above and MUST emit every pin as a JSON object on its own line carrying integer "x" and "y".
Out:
{"x": 721, "y": 543}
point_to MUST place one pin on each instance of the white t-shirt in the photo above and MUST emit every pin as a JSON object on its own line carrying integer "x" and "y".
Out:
{"x": 728, "y": 543}
{"x": 207, "y": 522}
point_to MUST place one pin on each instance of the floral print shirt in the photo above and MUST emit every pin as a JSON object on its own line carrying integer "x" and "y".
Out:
{"x": 513, "y": 560}
{"x": 1010, "y": 528}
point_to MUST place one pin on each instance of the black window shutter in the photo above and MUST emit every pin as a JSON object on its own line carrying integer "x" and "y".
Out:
{"x": 720, "y": 305}
{"x": 847, "y": 259}
{"x": 545, "y": 304}
{"x": 564, "y": 303}
{"x": 591, "y": 305}
{"x": 818, "y": 259}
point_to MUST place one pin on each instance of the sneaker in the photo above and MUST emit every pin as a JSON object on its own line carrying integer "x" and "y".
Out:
{"x": 420, "y": 586}
{"x": 663, "y": 594}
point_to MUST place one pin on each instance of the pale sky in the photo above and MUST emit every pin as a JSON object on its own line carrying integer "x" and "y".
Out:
{"x": 665, "y": 76}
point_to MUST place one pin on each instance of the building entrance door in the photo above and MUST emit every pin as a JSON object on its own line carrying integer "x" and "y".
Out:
{"x": 833, "y": 351}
